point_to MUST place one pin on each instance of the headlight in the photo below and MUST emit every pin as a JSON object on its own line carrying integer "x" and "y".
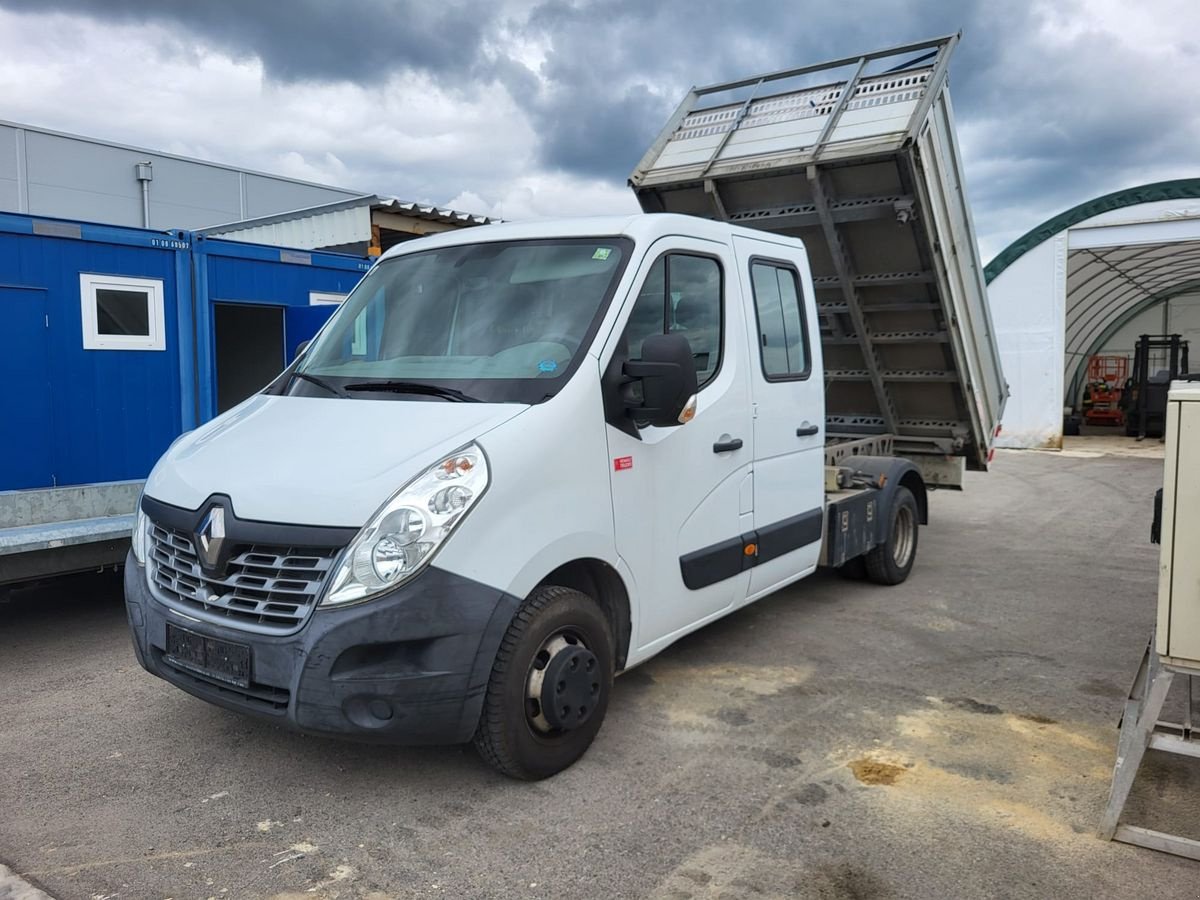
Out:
{"x": 139, "y": 537}
{"x": 407, "y": 531}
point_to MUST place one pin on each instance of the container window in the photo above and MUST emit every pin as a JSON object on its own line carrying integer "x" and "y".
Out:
{"x": 122, "y": 313}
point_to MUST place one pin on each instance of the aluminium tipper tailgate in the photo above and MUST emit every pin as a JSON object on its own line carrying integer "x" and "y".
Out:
{"x": 865, "y": 170}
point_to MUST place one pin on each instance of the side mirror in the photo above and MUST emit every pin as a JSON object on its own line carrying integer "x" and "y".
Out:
{"x": 301, "y": 347}
{"x": 667, "y": 372}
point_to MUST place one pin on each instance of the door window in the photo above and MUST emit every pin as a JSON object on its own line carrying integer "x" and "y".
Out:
{"x": 681, "y": 295}
{"x": 782, "y": 337}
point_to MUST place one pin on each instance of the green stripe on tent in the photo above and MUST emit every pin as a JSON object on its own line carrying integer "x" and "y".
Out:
{"x": 1180, "y": 189}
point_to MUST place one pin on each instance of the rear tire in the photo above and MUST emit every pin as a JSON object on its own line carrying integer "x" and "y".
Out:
{"x": 891, "y": 561}
{"x": 555, "y": 629}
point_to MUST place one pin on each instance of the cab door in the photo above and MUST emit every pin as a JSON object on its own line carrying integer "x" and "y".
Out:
{"x": 789, "y": 412}
{"x": 682, "y": 495}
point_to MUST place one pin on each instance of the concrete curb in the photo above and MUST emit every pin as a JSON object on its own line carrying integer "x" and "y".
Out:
{"x": 14, "y": 887}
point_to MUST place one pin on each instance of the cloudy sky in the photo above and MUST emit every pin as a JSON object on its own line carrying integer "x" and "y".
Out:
{"x": 521, "y": 109}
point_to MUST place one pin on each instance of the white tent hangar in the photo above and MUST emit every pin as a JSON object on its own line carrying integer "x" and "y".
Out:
{"x": 1061, "y": 292}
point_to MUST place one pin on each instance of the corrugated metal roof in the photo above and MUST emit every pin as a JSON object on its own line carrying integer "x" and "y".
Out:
{"x": 434, "y": 213}
{"x": 337, "y": 224}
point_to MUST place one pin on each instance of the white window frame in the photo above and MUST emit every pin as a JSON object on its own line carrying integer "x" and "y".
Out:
{"x": 156, "y": 315}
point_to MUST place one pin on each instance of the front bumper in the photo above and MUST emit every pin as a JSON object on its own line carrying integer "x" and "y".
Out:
{"x": 409, "y": 667}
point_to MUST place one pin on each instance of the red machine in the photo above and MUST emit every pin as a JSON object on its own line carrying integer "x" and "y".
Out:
{"x": 1102, "y": 393}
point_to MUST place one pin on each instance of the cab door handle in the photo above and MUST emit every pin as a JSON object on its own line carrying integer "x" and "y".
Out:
{"x": 807, "y": 430}
{"x": 726, "y": 446}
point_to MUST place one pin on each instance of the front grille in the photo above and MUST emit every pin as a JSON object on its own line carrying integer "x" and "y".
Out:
{"x": 266, "y": 589}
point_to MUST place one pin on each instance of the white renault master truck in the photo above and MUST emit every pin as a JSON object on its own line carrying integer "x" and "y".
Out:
{"x": 518, "y": 460}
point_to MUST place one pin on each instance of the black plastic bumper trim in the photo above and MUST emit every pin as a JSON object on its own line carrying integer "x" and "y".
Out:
{"x": 246, "y": 531}
{"x": 727, "y": 558}
{"x": 790, "y": 534}
{"x": 409, "y": 667}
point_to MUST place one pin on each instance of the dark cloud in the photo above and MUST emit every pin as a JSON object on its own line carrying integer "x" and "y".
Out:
{"x": 1054, "y": 120}
{"x": 312, "y": 39}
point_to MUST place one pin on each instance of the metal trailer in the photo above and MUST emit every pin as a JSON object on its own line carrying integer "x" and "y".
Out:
{"x": 857, "y": 157}
{"x": 88, "y": 412}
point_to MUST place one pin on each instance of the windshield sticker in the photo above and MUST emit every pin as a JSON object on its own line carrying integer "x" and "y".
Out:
{"x": 602, "y": 253}
{"x": 547, "y": 365}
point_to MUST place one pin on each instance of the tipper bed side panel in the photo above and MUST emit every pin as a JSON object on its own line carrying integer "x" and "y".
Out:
{"x": 872, "y": 186}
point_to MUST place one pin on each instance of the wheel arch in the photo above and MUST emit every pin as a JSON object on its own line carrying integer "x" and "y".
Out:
{"x": 604, "y": 585}
{"x": 896, "y": 472}
{"x": 912, "y": 480}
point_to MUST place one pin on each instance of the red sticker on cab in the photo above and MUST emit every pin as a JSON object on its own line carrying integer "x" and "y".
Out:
{"x": 622, "y": 462}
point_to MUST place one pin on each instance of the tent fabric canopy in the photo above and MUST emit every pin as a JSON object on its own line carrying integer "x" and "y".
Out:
{"x": 1106, "y": 287}
{"x": 1115, "y": 270}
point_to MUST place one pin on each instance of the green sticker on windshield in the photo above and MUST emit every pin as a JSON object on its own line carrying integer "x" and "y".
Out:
{"x": 602, "y": 253}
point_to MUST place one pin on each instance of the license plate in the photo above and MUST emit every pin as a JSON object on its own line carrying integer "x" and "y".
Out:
{"x": 222, "y": 660}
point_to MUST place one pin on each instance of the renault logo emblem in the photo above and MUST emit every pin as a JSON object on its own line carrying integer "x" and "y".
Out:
{"x": 210, "y": 537}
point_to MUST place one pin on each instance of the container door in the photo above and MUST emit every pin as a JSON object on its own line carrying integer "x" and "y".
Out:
{"x": 302, "y": 324}
{"x": 25, "y": 454}
{"x": 789, "y": 414}
{"x": 681, "y": 494}
{"x": 249, "y": 350}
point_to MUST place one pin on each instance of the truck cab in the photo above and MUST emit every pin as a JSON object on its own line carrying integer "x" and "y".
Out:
{"x": 516, "y": 461}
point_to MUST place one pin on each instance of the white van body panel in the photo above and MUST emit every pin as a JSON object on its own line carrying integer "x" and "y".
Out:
{"x": 316, "y": 460}
{"x": 547, "y": 502}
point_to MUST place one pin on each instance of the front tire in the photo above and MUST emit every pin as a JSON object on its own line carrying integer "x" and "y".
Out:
{"x": 891, "y": 561}
{"x": 548, "y": 691}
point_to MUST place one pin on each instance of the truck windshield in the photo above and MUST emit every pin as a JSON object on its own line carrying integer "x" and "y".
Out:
{"x": 503, "y": 322}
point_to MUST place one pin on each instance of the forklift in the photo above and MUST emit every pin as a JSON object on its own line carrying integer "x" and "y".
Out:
{"x": 1158, "y": 360}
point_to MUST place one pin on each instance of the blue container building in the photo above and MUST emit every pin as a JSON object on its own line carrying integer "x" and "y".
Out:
{"x": 113, "y": 342}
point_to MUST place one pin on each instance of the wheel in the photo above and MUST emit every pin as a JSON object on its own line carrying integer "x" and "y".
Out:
{"x": 853, "y": 569}
{"x": 549, "y": 686}
{"x": 891, "y": 561}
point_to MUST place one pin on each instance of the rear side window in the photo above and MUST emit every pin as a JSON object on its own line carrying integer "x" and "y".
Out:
{"x": 782, "y": 337}
{"x": 681, "y": 295}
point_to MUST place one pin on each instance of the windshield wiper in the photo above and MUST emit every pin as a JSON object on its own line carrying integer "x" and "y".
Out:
{"x": 319, "y": 382}
{"x": 414, "y": 387}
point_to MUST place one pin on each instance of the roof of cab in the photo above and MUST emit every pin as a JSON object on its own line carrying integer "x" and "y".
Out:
{"x": 640, "y": 227}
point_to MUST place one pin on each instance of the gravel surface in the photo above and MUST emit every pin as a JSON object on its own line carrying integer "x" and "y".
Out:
{"x": 950, "y": 737}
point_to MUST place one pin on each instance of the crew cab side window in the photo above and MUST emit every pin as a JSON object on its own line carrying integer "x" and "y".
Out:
{"x": 782, "y": 336}
{"x": 682, "y": 295}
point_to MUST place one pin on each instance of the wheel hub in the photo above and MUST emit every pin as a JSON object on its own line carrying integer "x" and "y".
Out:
{"x": 566, "y": 688}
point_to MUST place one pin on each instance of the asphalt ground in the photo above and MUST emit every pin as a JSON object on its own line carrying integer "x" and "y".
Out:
{"x": 951, "y": 737}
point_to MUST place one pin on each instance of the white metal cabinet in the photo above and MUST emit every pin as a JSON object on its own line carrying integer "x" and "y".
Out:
{"x": 1178, "y": 632}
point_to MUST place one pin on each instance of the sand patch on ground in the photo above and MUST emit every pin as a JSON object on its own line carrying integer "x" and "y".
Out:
{"x": 718, "y": 697}
{"x": 963, "y": 758}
